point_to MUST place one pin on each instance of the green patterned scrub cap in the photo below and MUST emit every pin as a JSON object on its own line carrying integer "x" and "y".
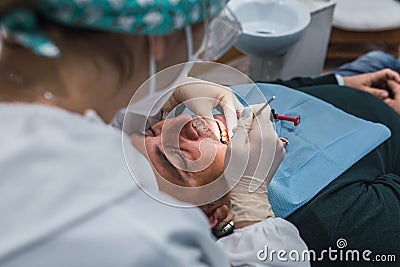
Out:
{"x": 141, "y": 17}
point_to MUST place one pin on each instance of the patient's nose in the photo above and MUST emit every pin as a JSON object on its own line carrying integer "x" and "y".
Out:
{"x": 181, "y": 126}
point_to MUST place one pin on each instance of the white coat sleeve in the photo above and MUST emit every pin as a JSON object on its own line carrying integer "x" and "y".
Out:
{"x": 131, "y": 231}
{"x": 74, "y": 201}
{"x": 272, "y": 242}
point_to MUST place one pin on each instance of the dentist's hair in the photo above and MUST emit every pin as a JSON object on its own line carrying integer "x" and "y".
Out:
{"x": 8, "y": 4}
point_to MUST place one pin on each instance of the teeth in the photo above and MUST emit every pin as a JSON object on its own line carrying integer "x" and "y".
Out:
{"x": 223, "y": 132}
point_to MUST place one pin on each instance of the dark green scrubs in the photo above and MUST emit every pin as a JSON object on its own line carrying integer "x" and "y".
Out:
{"x": 362, "y": 205}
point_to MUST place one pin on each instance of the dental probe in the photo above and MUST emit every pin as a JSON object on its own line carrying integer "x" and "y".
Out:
{"x": 296, "y": 121}
{"x": 266, "y": 104}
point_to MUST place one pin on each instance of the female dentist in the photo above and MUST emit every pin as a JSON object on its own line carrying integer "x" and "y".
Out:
{"x": 67, "y": 197}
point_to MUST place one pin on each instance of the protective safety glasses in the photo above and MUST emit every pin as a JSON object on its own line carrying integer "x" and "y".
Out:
{"x": 220, "y": 34}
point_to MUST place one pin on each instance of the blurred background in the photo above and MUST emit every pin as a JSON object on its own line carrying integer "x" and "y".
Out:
{"x": 339, "y": 31}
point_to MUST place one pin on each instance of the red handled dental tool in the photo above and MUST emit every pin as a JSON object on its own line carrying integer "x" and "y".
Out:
{"x": 296, "y": 121}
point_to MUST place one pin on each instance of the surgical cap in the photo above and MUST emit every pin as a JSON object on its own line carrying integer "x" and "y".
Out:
{"x": 141, "y": 17}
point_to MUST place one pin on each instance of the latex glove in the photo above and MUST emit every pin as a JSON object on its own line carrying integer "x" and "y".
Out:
{"x": 253, "y": 156}
{"x": 201, "y": 97}
{"x": 394, "y": 101}
{"x": 250, "y": 207}
{"x": 376, "y": 83}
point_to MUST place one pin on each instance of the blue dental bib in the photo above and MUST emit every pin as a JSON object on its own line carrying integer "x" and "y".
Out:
{"x": 321, "y": 147}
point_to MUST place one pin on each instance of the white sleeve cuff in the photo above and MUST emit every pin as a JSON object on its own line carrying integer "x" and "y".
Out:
{"x": 339, "y": 79}
{"x": 251, "y": 245}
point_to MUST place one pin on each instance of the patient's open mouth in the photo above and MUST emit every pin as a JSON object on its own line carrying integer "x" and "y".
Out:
{"x": 223, "y": 131}
{"x": 203, "y": 128}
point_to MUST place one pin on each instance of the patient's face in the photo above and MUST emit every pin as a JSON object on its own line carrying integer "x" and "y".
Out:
{"x": 183, "y": 151}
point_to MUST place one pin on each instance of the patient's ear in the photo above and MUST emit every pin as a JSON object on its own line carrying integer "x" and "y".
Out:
{"x": 218, "y": 215}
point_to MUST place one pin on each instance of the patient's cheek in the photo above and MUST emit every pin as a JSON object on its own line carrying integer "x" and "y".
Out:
{"x": 221, "y": 151}
{"x": 215, "y": 169}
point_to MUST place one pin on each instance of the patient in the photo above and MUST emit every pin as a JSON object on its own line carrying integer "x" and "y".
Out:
{"x": 364, "y": 199}
{"x": 184, "y": 151}
{"x": 175, "y": 160}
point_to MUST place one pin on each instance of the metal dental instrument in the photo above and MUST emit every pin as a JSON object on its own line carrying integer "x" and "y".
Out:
{"x": 296, "y": 121}
{"x": 266, "y": 104}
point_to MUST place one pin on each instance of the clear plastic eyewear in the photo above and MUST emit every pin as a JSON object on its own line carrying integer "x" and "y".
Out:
{"x": 221, "y": 33}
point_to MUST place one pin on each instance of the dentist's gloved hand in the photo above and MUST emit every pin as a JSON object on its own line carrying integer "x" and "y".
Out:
{"x": 253, "y": 156}
{"x": 202, "y": 97}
